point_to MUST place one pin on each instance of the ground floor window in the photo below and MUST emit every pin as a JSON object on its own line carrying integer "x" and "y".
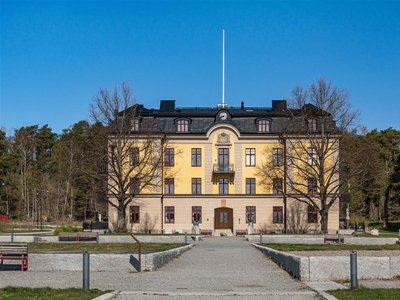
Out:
{"x": 312, "y": 214}
{"x": 250, "y": 214}
{"x": 277, "y": 214}
{"x": 134, "y": 215}
{"x": 196, "y": 214}
{"x": 170, "y": 214}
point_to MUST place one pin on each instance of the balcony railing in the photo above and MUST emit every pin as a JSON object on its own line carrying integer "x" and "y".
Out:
{"x": 223, "y": 168}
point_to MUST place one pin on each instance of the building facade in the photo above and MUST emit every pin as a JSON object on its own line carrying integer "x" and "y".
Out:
{"x": 214, "y": 180}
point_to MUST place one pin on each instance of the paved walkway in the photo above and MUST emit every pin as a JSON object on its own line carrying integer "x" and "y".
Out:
{"x": 215, "y": 268}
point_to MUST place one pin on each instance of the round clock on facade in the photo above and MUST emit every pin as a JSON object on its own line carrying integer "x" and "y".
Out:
{"x": 223, "y": 115}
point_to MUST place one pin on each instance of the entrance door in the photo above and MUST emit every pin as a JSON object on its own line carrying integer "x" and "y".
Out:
{"x": 223, "y": 217}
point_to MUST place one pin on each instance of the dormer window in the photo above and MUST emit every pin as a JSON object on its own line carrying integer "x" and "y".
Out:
{"x": 263, "y": 125}
{"x": 312, "y": 125}
{"x": 135, "y": 124}
{"x": 182, "y": 125}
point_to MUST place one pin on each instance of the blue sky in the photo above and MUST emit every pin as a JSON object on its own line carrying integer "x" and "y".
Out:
{"x": 56, "y": 55}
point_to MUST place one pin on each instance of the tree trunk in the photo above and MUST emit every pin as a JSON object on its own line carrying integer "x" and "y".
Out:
{"x": 324, "y": 220}
{"x": 386, "y": 209}
{"x": 121, "y": 227}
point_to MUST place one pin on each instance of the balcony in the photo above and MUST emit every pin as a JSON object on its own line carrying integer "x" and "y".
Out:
{"x": 223, "y": 170}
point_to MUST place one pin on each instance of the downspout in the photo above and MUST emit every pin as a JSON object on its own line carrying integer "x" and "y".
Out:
{"x": 284, "y": 185}
{"x": 162, "y": 184}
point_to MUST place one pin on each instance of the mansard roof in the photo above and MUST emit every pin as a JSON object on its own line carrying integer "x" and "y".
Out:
{"x": 245, "y": 119}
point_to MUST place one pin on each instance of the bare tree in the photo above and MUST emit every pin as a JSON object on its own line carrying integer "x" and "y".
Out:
{"x": 314, "y": 170}
{"x": 133, "y": 159}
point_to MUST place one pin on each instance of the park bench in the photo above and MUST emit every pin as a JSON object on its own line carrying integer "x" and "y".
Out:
{"x": 83, "y": 236}
{"x": 15, "y": 252}
{"x": 206, "y": 232}
{"x": 333, "y": 238}
{"x": 241, "y": 232}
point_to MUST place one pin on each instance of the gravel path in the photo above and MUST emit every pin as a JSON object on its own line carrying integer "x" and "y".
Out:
{"x": 216, "y": 267}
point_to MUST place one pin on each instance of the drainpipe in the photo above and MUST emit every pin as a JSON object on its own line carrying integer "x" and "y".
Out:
{"x": 283, "y": 140}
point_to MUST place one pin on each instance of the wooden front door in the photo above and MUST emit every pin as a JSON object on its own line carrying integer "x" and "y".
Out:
{"x": 223, "y": 217}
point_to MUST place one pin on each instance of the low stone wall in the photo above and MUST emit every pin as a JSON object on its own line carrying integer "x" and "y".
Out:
{"x": 319, "y": 239}
{"x": 331, "y": 267}
{"x": 103, "y": 238}
{"x": 53, "y": 261}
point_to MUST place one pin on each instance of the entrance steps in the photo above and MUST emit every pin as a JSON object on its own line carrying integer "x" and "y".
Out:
{"x": 223, "y": 232}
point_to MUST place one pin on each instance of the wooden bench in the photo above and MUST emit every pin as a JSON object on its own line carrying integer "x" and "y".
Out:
{"x": 241, "y": 232}
{"x": 206, "y": 232}
{"x": 15, "y": 252}
{"x": 83, "y": 236}
{"x": 333, "y": 238}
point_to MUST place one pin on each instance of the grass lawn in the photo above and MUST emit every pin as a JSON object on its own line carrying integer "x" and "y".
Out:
{"x": 23, "y": 293}
{"x": 366, "y": 293}
{"x": 328, "y": 247}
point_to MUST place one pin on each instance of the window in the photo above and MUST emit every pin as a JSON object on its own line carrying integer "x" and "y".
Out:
{"x": 277, "y": 157}
{"x": 223, "y": 186}
{"x": 250, "y": 185}
{"x": 312, "y": 125}
{"x": 170, "y": 214}
{"x": 169, "y": 157}
{"x": 312, "y": 214}
{"x": 312, "y": 185}
{"x": 311, "y": 156}
{"x": 277, "y": 216}
{"x": 134, "y": 157}
{"x": 250, "y": 214}
{"x": 277, "y": 185}
{"x": 196, "y": 185}
{"x": 250, "y": 157}
{"x": 135, "y": 124}
{"x": 196, "y": 214}
{"x": 263, "y": 126}
{"x": 223, "y": 159}
{"x": 135, "y": 186}
{"x": 182, "y": 126}
{"x": 196, "y": 157}
{"x": 134, "y": 215}
{"x": 169, "y": 186}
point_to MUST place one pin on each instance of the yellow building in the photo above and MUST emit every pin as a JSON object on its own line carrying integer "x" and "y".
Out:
{"x": 213, "y": 174}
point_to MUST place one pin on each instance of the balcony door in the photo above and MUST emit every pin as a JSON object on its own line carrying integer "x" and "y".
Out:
{"x": 223, "y": 159}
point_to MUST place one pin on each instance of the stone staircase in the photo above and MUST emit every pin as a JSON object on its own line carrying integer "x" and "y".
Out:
{"x": 223, "y": 232}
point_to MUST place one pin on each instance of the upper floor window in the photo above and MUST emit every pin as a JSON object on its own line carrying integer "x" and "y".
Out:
{"x": 312, "y": 125}
{"x": 135, "y": 186}
{"x": 312, "y": 185}
{"x": 134, "y": 214}
{"x": 196, "y": 185}
{"x": 182, "y": 126}
{"x": 169, "y": 157}
{"x": 196, "y": 157}
{"x": 223, "y": 186}
{"x": 277, "y": 185}
{"x": 169, "y": 186}
{"x": 311, "y": 156}
{"x": 135, "y": 124}
{"x": 277, "y": 157}
{"x": 250, "y": 157}
{"x": 134, "y": 156}
{"x": 263, "y": 125}
{"x": 250, "y": 185}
